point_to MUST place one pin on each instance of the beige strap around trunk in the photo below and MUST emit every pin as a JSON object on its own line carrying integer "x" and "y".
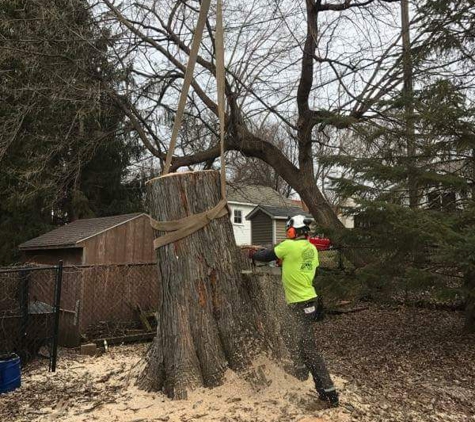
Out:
{"x": 180, "y": 229}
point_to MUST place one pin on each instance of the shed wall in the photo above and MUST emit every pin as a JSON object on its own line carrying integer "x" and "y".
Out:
{"x": 69, "y": 256}
{"x": 261, "y": 229}
{"x": 280, "y": 234}
{"x": 131, "y": 242}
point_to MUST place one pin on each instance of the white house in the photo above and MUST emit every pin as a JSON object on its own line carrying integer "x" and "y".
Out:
{"x": 243, "y": 199}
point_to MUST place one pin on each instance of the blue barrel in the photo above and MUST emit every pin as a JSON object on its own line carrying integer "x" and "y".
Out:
{"x": 10, "y": 373}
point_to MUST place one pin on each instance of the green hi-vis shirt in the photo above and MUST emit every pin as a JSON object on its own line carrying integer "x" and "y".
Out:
{"x": 299, "y": 263}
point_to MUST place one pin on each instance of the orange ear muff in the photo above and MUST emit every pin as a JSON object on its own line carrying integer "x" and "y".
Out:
{"x": 291, "y": 233}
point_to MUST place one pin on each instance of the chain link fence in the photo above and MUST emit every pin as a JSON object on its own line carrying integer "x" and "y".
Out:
{"x": 107, "y": 302}
{"x": 29, "y": 312}
{"x": 43, "y": 307}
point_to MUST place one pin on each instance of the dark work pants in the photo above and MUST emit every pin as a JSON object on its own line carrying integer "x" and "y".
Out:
{"x": 302, "y": 328}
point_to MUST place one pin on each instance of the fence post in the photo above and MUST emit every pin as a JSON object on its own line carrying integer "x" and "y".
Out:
{"x": 57, "y": 307}
{"x": 24, "y": 275}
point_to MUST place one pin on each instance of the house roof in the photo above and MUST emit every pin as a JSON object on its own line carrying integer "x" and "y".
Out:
{"x": 69, "y": 235}
{"x": 256, "y": 195}
{"x": 278, "y": 213}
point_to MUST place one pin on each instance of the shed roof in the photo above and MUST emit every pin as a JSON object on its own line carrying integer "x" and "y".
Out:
{"x": 256, "y": 195}
{"x": 69, "y": 235}
{"x": 278, "y": 213}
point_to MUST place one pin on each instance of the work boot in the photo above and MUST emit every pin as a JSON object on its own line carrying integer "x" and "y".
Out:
{"x": 333, "y": 399}
{"x": 321, "y": 394}
{"x": 330, "y": 397}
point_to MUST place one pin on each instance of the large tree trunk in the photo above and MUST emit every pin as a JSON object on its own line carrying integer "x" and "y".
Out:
{"x": 207, "y": 318}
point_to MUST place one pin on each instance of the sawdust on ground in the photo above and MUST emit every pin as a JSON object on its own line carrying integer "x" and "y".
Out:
{"x": 390, "y": 365}
{"x": 99, "y": 388}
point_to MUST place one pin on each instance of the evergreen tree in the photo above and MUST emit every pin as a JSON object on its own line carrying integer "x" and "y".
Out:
{"x": 417, "y": 246}
{"x": 64, "y": 153}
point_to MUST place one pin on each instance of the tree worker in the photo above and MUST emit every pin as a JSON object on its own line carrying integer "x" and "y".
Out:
{"x": 299, "y": 263}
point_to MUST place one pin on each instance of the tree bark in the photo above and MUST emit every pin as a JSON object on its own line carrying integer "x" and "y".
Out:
{"x": 208, "y": 318}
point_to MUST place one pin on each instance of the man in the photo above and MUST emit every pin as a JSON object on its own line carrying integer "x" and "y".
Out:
{"x": 299, "y": 263}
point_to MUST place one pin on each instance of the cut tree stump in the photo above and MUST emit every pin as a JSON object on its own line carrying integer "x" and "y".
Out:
{"x": 211, "y": 316}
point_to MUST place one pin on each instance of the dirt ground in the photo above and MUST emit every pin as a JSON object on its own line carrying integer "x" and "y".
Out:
{"x": 389, "y": 364}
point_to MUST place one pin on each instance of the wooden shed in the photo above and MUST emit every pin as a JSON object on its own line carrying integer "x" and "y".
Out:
{"x": 268, "y": 223}
{"x": 119, "y": 239}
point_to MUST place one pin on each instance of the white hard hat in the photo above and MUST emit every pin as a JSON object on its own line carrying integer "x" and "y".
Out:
{"x": 298, "y": 222}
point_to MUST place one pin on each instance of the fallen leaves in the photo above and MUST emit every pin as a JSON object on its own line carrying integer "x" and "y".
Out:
{"x": 395, "y": 365}
{"x": 404, "y": 363}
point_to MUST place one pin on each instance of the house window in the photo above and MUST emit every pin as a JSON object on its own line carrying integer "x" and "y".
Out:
{"x": 237, "y": 217}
